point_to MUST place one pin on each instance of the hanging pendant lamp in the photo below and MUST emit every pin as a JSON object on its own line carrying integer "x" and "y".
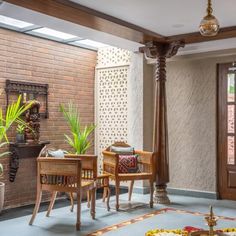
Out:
{"x": 209, "y": 25}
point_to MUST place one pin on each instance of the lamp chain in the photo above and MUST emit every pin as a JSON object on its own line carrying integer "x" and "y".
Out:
{"x": 209, "y": 8}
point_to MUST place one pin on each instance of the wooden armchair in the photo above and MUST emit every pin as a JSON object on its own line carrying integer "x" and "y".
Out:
{"x": 59, "y": 174}
{"x": 89, "y": 164}
{"x": 102, "y": 181}
{"x": 88, "y": 181}
{"x": 146, "y": 164}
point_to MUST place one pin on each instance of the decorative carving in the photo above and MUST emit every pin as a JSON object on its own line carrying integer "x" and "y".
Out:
{"x": 154, "y": 49}
{"x": 173, "y": 47}
{"x": 32, "y": 90}
{"x": 112, "y": 56}
{"x": 161, "y": 51}
{"x": 112, "y": 110}
{"x": 20, "y": 150}
{"x": 111, "y": 82}
{"x": 14, "y": 163}
{"x": 160, "y": 69}
{"x": 32, "y": 116}
{"x": 160, "y": 138}
{"x": 160, "y": 195}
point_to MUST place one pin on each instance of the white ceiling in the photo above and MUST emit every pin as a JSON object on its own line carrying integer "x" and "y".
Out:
{"x": 127, "y": 10}
{"x": 166, "y": 17}
{"x": 43, "y": 20}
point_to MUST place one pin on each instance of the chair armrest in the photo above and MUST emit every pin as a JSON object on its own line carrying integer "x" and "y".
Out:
{"x": 109, "y": 153}
{"x": 103, "y": 180}
{"x": 103, "y": 176}
{"x": 147, "y": 159}
{"x": 110, "y": 157}
{"x": 110, "y": 162}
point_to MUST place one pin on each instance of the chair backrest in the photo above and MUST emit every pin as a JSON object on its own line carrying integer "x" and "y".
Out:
{"x": 118, "y": 144}
{"x": 146, "y": 161}
{"x": 89, "y": 165}
{"x": 59, "y": 174}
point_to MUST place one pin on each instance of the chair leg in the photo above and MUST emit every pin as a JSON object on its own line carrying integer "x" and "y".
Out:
{"x": 151, "y": 193}
{"x": 36, "y": 208}
{"x": 88, "y": 198}
{"x": 131, "y": 189}
{"x": 93, "y": 203}
{"x": 78, "y": 221}
{"x": 53, "y": 198}
{"x": 104, "y": 194}
{"x": 108, "y": 198}
{"x": 117, "y": 195}
{"x": 71, "y": 202}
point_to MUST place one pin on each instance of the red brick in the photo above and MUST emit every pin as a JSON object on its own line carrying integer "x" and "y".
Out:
{"x": 69, "y": 71}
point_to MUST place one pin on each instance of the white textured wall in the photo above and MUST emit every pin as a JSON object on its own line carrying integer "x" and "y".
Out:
{"x": 191, "y": 97}
{"x": 135, "y": 101}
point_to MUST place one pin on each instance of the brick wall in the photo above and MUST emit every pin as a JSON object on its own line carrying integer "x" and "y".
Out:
{"x": 69, "y": 71}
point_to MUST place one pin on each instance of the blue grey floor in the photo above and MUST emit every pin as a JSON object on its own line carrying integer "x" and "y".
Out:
{"x": 62, "y": 220}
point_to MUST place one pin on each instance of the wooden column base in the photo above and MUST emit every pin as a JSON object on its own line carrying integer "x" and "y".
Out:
{"x": 160, "y": 195}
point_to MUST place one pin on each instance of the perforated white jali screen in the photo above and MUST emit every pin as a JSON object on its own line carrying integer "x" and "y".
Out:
{"x": 111, "y": 98}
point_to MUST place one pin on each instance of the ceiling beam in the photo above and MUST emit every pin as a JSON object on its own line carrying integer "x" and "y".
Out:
{"x": 196, "y": 37}
{"x": 78, "y": 14}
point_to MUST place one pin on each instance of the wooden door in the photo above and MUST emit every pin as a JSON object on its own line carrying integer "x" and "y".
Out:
{"x": 226, "y": 131}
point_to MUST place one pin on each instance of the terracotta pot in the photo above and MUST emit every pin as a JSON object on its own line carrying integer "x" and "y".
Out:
{"x": 2, "y": 191}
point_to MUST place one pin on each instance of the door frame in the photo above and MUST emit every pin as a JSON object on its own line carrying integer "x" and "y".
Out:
{"x": 221, "y": 140}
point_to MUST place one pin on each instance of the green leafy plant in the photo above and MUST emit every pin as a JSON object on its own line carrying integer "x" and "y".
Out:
{"x": 79, "y": 139}
{"x": 2, "y": 155}
{"x": 20, "y": 129}
{"x": 13, "y": 113}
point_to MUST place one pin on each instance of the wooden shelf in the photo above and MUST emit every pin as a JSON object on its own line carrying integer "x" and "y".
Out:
{"x": 23, "y": 150}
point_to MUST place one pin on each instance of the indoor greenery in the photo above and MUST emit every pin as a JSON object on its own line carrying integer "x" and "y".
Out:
{"x": 79, "y": 139}
{"x": 12, "y": 115}
{"x": 20, "y": 129}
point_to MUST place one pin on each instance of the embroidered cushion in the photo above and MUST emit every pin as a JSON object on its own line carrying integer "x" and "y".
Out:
{"x": 128, "y": 164}
{"x": 122, "y": 150}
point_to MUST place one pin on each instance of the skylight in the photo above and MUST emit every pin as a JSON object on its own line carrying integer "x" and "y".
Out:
{"x": 48, "y": 33}
{"x": 90, "y": 43}
{"x": 13, "y": 22}
{"x": 54, "y": 33}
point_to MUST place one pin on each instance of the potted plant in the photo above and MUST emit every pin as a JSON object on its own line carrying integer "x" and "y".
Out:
{"x": 79, "y": 139}
{"x": 12, "y": 115}
{"x": 20, "y": 133}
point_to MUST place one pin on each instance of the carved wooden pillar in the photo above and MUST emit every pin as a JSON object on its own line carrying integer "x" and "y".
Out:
{"x": 160, "y": 133}
{"x": 160, "y": 52}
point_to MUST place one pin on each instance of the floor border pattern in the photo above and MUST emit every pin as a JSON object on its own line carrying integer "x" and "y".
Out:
{"x": 149, "y": 215}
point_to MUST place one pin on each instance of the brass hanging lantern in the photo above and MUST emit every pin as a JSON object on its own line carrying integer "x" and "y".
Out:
{"x": 209, "y": 25}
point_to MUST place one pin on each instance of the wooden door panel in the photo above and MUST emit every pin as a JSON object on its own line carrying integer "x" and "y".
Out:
{"x": 226, "y": 132}
{"x": 231, "y": 179}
